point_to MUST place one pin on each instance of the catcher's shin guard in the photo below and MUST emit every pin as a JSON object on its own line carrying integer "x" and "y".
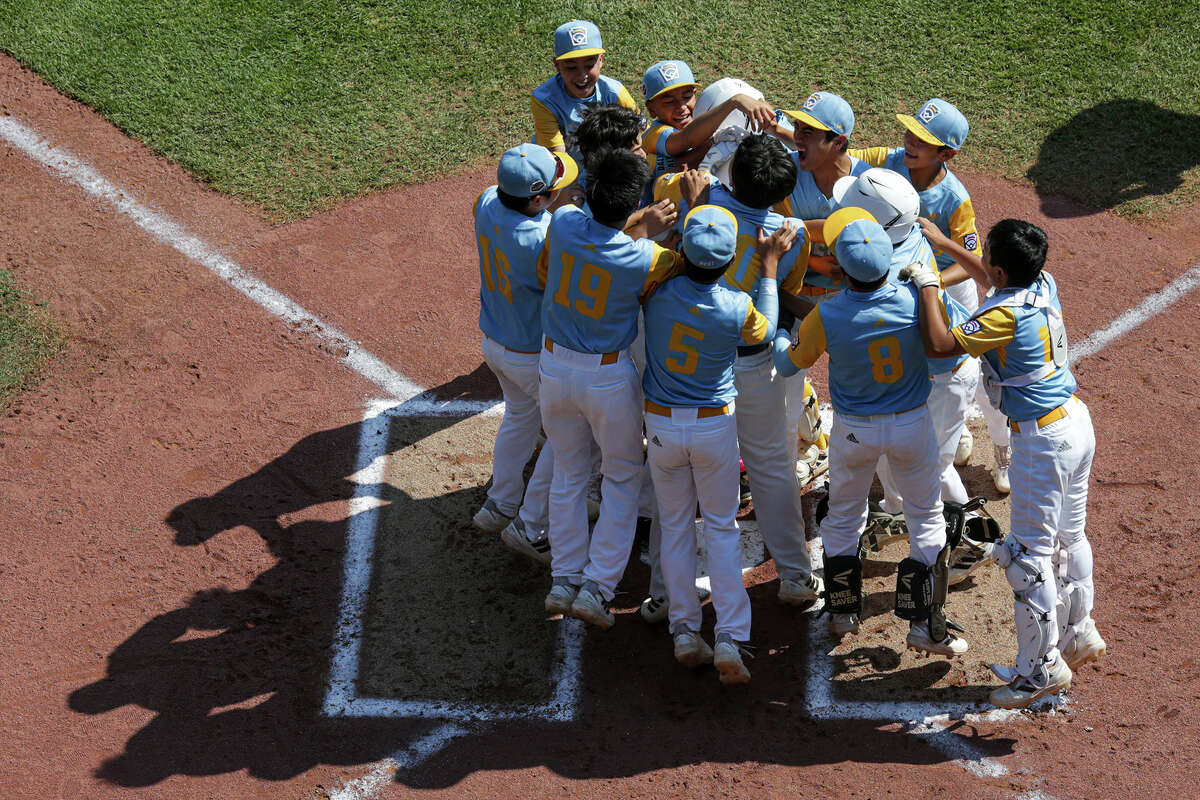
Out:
{"x": 843, "y": 585}
{"x": 1035, "y": 600}
{"x": 1076, "y": 590}
{"x": 921, "y": 593}
{"x": 810, "y": 420}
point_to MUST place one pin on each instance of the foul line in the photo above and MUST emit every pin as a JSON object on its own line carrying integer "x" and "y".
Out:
{"x": 1152, "y": 306}
{"x": 342, "y": 698}
{"x": 165, "y": 230}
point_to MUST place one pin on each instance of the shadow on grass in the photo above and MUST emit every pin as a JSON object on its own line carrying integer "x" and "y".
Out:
{"x": 235, "y": 679}
{"x": 1117, "y": 152}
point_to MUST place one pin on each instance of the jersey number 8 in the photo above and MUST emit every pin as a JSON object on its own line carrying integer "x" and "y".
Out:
{"x": 886, "y": 366}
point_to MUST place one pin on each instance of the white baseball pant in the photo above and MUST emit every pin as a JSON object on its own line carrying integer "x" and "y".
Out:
{"x": 950, "y": 396}
{"x": 584, "y": 399}
{"x": 515, "y": 440}
{"x": 855, "y": 446}
{"x": 694, "y": 459}
{"x": 763, "y": 438}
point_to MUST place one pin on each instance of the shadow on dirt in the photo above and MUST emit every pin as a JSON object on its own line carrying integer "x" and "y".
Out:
{"x": 1113, "y": 153}
{"x": 236, "y": 679}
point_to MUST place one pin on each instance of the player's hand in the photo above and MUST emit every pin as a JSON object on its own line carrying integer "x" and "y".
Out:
{"x": 933, "y": 233}
{"x": 771, "y": 248}
{"x": 659, "y": 217}
{"x": 920, "y": 275}
{"x": 827, "y": 266}
{"x": 760, "y": 113}
{"x": 694, "y": 186}
{"x": 671, "y": 240}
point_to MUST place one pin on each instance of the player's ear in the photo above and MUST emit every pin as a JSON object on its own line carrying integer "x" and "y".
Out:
{"x": 947, "y": 154}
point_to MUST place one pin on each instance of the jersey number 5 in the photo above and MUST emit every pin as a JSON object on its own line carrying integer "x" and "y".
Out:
{"x": 495, "y": 268}
{"x": 886, "y": 366}
{"x": 691, "y": 356}
{"x": 593, "y": 284}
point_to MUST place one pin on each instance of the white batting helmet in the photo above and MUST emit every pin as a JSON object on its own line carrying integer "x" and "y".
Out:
{"x": 886, "y": 195}
{"x": 730, "y": 131}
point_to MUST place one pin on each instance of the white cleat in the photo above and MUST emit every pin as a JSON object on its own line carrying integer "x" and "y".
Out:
{"x": 691, "y": 650}
{"x": 1022, "y": 691}
{"x": 919, "y": 639}
{"x": 966, "y": 444}
{"x": 1085, "y": 647}
{"x": 727, "y": 658}
{"x": 514, "y": 538}
{"x": 800, "y": 593}
{"x": 843, "y": 624}
{"x": 560, "y": 598}
{"x": 489, "y": 519}
{"x": 590, "y": 607}
{"x": 1000, "y": 470}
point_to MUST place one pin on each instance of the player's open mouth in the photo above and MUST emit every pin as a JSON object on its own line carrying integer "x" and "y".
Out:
{"x": 683, "y": 118}
{"x": 800, "y": 154}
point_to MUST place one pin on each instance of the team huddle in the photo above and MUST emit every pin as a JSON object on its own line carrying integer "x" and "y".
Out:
{"x": 652, "y": 297}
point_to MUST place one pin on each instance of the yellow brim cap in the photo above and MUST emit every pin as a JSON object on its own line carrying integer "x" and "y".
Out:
{"x": 918, "y": 130}
{"x": 836, "y": 222}
{"x": 570, "y": 171}
{"x": 806, "y": 118}
{"x": 587, "y": 51}
{"x": 673, "y": 86}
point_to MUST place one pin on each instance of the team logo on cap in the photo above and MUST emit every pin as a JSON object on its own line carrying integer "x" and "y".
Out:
{"x": 538, "y": 186}
{"x": 811, "y": 102}
{"x": 669, "y": 72}
{"x": 578, "y": 36}
{"x": 971, "y": 241}
{"x": 971, "y": 326}
{"x": 927, "y": 113}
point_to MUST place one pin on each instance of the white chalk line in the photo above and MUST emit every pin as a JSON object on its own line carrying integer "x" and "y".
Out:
{"x": 342, "y": 698}
{"x": 1150, "y": 307}
{"x": 165, "y": 230}
{"x": 384, "y": 772}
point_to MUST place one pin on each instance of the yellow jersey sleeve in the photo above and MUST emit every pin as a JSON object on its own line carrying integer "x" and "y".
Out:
{"x": 991, "y": 330}
{"x": 625, "y": 100}
{"x": 664, "y": 265}
{"x": 545, "y": 124}
{"x": 875, "y": 156}
{"x": 794, "y": 282}
{"x": 962, "y": 227}
{"x": 783, "y": 207}
{"x": 810, "y": 341}
{"x": 754, "y": 328}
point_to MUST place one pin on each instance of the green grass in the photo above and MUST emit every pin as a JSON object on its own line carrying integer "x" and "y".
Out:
{"x": 294, "y": 105}
{"x": 28, "y": 339}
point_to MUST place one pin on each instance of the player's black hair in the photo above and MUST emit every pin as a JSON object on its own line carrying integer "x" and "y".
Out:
{"x": 1020, "y": 248}
{"x": 615, "y": 181}
{"x": 518, "y": 204}
{"x": 831, "y": 135}
{"x": 608, "y": 125}
{"x": 702, "y": 274}
{"x": 762, "y": 172}
{"x": 865, "y": 286}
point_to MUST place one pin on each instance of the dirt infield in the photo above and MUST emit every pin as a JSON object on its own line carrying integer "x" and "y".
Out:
{"x": 176, "y": 498}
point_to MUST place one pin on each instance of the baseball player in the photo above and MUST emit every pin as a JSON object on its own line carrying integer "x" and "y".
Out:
{"x": 558, "y": 103}
{"x": 669, "y": 89}
{"x": 595, "y": 277}
{"x": 1019, "y": 334}
{"x": 933, "y": 136}
{"x": 878, "y": 382}
{"x": 888, "y": 195}
{"x": 762, "y": 176}
{"x": 510, "y": 229}
{"x": 693, "y": 328}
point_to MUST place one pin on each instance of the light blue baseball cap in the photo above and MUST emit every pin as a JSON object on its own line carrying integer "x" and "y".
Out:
{"x": 666, "y": 75}
{"x": 709, "y": 236}
{"x": 576, "y": 39}
{"x": 530, "y": 169}
{"x": 937, "y": 122}
{"x": 825, "y": 111}
{"x": 859, "y": 243}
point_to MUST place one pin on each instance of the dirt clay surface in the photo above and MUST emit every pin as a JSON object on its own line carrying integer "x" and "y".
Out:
{"x": 177, "y": 494}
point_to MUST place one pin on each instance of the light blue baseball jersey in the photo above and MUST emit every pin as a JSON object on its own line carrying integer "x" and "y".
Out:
{"x": 916, "y": 248}
{"x": 510, "y": 297}
{"x": 654, "y": 142}
{"x": 554, "y": 108}
{"x": 1017, "y": 340}
{"x": 595, "y": 279}
{"x": 692, "y": 334}
{"x": 946, "y": 204}
{"x": 807, "y": 201}
{"x": 743, "y": 272}
{"x": 877, "y": 361}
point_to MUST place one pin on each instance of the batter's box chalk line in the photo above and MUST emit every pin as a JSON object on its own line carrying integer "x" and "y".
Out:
{"x": 342, "y": 698}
